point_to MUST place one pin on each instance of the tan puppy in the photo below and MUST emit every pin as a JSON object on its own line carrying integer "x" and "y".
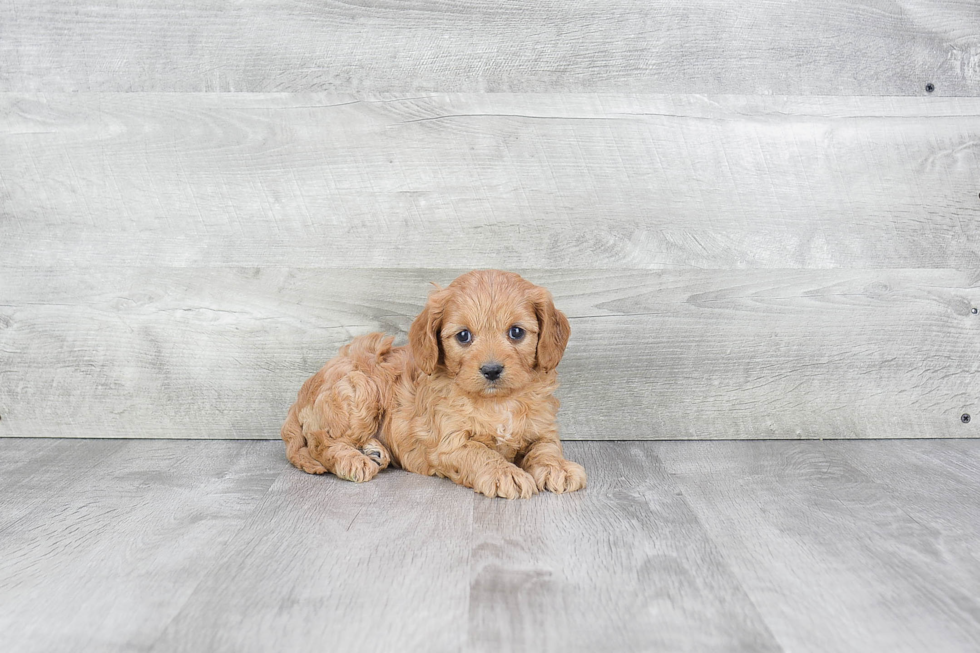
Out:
{"x": 470, "y": 398}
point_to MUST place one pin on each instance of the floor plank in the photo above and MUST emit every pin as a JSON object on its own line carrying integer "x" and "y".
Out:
{"x": 380, "y": 566}
{"x": 831, "y": 557}
{"x": 937, "y": 485}
{"x": 39, "y": 471}
{"x": 112, "y": 551}
{"x": 222, "y": 546}
{"x": 624, "y": 566}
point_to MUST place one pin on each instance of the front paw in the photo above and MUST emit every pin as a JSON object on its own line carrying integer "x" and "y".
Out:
{"x": 509, "y": 482}
{"x": 559, "y": 476}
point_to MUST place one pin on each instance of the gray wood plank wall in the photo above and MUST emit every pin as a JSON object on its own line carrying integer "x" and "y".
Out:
{"x": 758, "y": 219}
{"x": 832, "y": 47}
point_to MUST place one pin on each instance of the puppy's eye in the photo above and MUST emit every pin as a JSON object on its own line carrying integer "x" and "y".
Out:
{"x": 516, "y": 333}
{"x": 464, "y": 337}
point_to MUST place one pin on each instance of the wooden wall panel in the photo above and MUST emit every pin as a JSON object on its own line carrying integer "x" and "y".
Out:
{"x": 221, "y": 352}
{"x": 508, "y": 181}
{"x": 833, "y": 47}
{"x": 759, "y": 220}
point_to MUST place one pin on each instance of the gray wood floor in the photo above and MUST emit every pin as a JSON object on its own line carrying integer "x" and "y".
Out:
{"x": 758, "y": 545}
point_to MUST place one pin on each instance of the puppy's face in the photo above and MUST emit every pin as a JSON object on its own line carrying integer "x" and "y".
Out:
{"x": 490, "y": 331}
{"x": 489, "y": 337}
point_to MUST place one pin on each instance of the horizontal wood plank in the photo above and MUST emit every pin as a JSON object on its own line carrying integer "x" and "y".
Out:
{"x": 708, "y": 46}
{"x": 505, "y": 181}
{"x": 221, "y": 352}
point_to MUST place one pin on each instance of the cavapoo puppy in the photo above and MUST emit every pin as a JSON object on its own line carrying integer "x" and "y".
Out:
{"x": 469, "y": 398}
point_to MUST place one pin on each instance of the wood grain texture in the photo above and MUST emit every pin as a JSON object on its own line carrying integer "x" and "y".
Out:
{"x": 622, "y": 566}
{"x": 22, "y": 453}
{"x": 34, "y": 474}
{"x": 893, "y": 47}
{"x": 111, "y": 554}
{"x": 682, "y": 546}
{"x": 832, "y": 558}
{"x": 507, "y": 181}
{"x": 942, "y": 500}
{"x": 380, "y": 566}
{"x": 221, "y": 352}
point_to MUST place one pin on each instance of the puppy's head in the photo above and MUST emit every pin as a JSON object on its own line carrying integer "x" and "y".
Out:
{"x": 490, "y": 331}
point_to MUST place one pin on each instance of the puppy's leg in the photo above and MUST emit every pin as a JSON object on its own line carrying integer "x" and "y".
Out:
{"x": 342, "y": 458}
{"x": 477, "y": 466}
{"x": 341, "y": 425}
{"x": 549, "y": 468}
{"x": 296, "y": 450}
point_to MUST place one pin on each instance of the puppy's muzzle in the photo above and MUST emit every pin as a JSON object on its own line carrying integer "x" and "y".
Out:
{"x": 492, "y": 371}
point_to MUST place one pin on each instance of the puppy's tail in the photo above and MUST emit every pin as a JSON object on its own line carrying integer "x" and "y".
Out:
{"x": 296, "y": 450}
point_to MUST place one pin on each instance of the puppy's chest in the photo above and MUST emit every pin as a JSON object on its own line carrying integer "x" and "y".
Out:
{"x": 503, "y": 426}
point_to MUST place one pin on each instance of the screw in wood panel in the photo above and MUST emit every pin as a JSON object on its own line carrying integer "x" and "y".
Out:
{"x": 930, "y": 87}
{"x": 974, "y": 311}
{"x": 965, "y": 418}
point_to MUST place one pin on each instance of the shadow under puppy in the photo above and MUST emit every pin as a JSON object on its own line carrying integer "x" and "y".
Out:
{"x": 470, "y": 398}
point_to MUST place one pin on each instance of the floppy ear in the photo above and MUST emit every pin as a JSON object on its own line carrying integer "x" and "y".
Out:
{"x": 423, "y": 335}
{"x": 553, "y": 331}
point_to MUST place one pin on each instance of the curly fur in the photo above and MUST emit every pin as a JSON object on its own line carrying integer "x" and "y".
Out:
{"x": 427, "y": 407}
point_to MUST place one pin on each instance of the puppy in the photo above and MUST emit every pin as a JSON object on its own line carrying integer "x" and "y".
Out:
{"x": 469, "y": 398}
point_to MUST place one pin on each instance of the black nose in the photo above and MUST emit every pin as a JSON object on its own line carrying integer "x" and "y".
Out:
{"x": 492, "y": 371}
